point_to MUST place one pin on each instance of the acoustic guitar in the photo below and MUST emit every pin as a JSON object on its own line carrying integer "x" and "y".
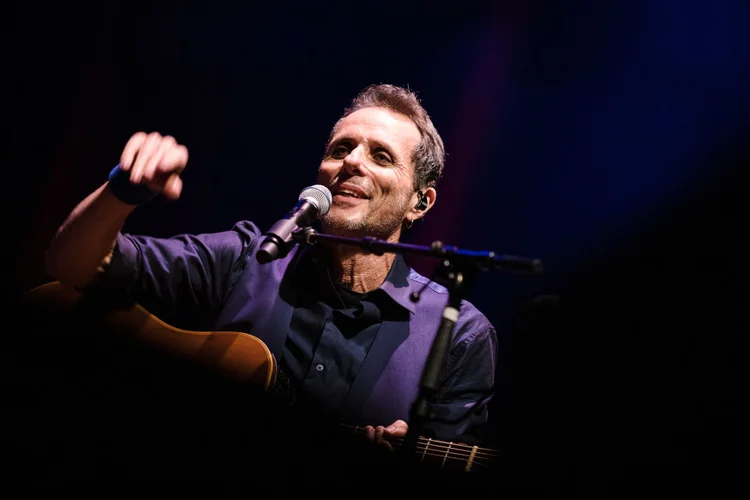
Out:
{"x": 239, "y": 356}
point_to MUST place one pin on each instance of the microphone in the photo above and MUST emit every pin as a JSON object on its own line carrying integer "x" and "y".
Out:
{"x": 314, "y": 201}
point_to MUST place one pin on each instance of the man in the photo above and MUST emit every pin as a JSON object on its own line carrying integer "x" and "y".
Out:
{"x": 350, "y": 343}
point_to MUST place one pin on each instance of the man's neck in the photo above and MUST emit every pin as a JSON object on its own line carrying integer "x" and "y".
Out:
{"x": 358, "y": 271}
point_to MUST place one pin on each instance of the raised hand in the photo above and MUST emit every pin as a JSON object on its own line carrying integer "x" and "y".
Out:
{"x": 155, "y": 160}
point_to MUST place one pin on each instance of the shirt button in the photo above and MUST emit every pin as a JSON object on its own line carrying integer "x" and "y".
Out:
{"x": 319, "y": 367}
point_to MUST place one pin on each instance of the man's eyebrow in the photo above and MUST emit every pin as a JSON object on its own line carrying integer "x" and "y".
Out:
{"x": 335, "y": 141}
{"x": 341, "y": 138}
{"x": 395, "y": 157}
{"x": 373, "y": 143}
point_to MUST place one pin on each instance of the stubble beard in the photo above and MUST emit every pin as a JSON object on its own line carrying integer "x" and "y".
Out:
{"x": 383, "y": 225}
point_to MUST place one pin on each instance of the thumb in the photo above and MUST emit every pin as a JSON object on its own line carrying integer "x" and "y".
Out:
{"x": 173, "y": 187}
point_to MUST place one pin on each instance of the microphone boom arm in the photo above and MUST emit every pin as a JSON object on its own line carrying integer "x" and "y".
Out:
{"x": 482, "y": 260}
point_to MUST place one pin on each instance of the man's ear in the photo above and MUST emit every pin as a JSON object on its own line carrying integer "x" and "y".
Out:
{"x": 425, "y": 199}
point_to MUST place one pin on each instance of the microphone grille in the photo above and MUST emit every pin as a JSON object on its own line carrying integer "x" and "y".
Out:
{"x": 318, "y": 195}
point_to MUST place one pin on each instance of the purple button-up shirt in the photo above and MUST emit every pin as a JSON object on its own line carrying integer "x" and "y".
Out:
{"x": 213, "y": 281}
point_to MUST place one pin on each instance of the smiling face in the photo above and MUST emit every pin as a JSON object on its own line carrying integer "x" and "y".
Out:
{"x": 368, "y": 168}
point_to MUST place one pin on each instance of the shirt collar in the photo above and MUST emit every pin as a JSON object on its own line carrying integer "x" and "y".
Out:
{"x": 396, "y": 284}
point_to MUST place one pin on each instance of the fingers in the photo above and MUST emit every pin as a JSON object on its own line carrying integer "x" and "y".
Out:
{"x": 392, "y": 433}
{"x": 381, "y": 439}
{"x": 150, "y": 151}
{"x": 385, "y": 436}
{"x": 370, "y": 432}
{"x": 130, "y": 150}
{"x": 160, "y": 148}
{"x": 396, "y": 430}
{"x": 155, "y": 160}
{"x": 140, "y": 157}
{"x": 175, "y": 158}
{"x": 375, "y": 434}
{"x": 173, "y": 187}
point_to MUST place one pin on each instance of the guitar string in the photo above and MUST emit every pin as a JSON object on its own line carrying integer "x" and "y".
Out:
{"x": 480, "y": 460}
{"x": 463, "y": 453}
{"x": 459, "y": 448}
{"x": 441, "y": 444}
{"x": 464, "y": 448}
{"x": 454, "y": 456}
{"x": 446, "y": 449}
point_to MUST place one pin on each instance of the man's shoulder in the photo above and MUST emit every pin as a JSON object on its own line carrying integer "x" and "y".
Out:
{"x": 247, "y": 228}
{"x": 421, "y": 281}
{"x": 244, "y": 233}
{"x": 250, "y": 236}
{"x": 436, "y": 294}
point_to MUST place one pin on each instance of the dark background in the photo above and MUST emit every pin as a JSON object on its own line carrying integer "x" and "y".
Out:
{"x": 609, "y": 139}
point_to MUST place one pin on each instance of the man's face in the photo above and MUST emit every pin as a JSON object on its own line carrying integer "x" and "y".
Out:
{"x": 368, "y": 168}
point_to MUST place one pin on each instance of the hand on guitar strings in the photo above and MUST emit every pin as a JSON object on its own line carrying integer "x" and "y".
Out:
{"x": 386, "y": 435}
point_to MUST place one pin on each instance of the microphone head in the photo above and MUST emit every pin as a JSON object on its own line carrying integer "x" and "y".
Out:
{"x": 318, "y": 195}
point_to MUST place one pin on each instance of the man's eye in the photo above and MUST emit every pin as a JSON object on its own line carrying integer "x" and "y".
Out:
{"x": 382, "y": 157}
{"x": 339, "y": 152}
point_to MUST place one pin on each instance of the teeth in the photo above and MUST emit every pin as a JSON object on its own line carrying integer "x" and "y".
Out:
{"x": 349, "y": 193}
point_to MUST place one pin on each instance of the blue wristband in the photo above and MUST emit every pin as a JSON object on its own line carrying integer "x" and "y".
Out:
{"x": 126, "y": 191}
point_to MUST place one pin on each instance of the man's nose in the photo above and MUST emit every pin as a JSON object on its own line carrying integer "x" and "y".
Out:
{"x": 354, "y": 162}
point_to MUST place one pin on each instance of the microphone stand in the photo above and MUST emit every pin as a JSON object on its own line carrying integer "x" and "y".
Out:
{"x": 456, "y": 272}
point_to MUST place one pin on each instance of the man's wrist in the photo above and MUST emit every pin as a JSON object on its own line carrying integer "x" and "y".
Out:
{"x": 126, "y": 191}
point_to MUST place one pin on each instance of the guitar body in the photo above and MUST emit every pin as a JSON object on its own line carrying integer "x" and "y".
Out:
{"x": 152, "y": 429}
{"x": 103, "y": 389}
{"x": 238, "y": 356}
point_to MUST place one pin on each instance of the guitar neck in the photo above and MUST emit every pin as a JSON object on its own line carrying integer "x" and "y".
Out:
{"x": 445, "y": 454}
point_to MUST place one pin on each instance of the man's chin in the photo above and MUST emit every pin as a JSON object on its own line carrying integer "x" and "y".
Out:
{"x": 341, "y": 227}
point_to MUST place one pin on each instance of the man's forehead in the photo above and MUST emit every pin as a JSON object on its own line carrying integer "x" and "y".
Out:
{"x": 380, "y": 123}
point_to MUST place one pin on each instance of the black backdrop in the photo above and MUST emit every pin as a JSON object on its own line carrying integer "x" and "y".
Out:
{"x": 609, "y": 140}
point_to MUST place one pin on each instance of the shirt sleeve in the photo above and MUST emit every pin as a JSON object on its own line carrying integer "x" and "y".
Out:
{"x": 460, "y": 411}
{"x": 183, "y": 279}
